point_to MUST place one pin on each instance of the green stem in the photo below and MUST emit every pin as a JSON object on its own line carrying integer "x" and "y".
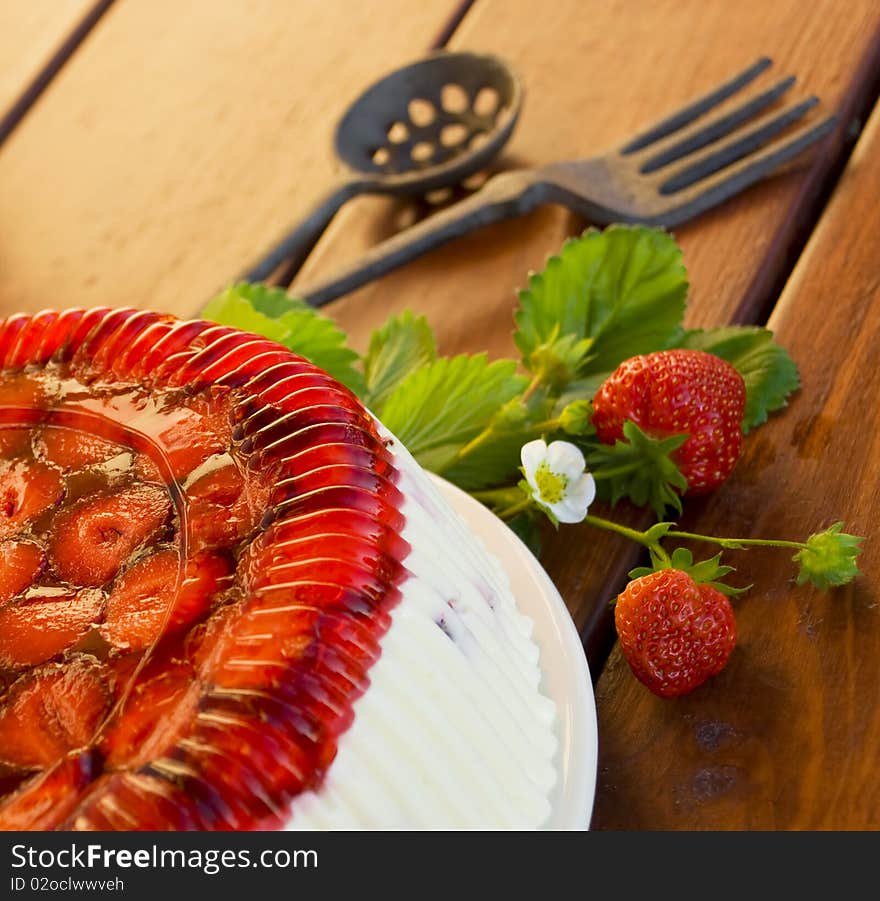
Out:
{"x": 733, "y": 543}
{"x": 495, "y": 495}
{"x": 533, "y": 431}
{"x": 513, "y": 509}
{"x": 613, "y": 471}
{"x": 609, "y": 526}
{"x": 531, "y": 388}
{"x": 654, "y": 547}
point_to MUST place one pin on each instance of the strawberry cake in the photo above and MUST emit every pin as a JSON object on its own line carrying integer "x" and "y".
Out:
{"x": 229, "y": 599}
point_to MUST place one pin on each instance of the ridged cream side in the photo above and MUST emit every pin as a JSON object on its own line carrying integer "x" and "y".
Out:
{"x": 453, "y": 731}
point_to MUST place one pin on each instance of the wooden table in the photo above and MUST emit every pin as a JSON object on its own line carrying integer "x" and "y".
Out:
{"x": 151, "y": 149}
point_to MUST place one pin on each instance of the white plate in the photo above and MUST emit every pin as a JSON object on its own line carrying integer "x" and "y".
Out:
{"x": 566, "y": 677}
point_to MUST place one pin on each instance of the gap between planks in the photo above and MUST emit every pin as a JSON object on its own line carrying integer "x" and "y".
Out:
{"x": 51, "y": 68}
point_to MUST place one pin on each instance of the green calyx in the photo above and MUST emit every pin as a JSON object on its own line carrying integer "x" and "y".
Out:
{"x": 706, "y": 572}
{"x": 828, "y": 559}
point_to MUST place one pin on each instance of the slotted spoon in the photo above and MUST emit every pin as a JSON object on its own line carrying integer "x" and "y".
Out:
{"x": 670, "y": 173}
{"x": 426, "y": 126}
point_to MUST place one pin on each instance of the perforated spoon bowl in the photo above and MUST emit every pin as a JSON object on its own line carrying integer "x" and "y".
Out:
{"x": 426, "y": 126}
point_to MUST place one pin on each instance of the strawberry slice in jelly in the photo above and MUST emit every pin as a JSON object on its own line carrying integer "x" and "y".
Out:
{"x": 52, "y": 711}
{"x": 91, "y": 541}
{"x": 199, "y": 551}
{"x": 21, "y": 562}
{"x": 46, "y": 622}
{"x": 157, "y": 596}
{"x": 72, "y": 450}
{"x": 27, "y": 489}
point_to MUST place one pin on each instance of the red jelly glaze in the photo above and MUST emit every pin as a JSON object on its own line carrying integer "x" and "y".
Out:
{"x": 255, "y": 681}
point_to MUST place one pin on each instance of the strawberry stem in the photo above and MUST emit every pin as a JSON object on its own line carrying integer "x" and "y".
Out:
{"x": 608, "y": 525}
{"x": 734, "y": 543}
{"x": 511, "y": 511}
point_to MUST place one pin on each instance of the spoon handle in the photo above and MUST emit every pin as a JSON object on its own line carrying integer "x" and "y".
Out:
{"x": 295, "y": 246}
{"x": 504, "y": 196}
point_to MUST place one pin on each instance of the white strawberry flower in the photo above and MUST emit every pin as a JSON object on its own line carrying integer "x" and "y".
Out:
{"x": 558, "y": 478}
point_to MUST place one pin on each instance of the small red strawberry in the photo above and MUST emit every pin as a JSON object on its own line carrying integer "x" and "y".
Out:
{"x": 674, "y": 392}
{"x": 674, "y": 632}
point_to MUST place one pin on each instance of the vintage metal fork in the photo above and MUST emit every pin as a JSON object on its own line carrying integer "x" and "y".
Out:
{"x": 670, "y": 173}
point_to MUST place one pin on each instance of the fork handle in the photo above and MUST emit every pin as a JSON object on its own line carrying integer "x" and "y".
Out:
{"x": 504, "y": 196}
{"x": 296, "y": 244}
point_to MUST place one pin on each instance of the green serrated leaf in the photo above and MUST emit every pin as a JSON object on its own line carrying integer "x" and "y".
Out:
{"x": 829, "y": 558}
{"x": 768, "y": 371}
{"x": 272, "y": 313}
{"x": 493, "y": 458}
{"x": 440, "y": 407}
{"x": 605, "y": 297}
{"x": 403, "y": 344}
{"x": 640, "y": 571}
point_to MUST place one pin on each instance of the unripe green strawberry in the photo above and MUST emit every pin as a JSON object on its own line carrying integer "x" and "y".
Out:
{"x": 674, "y": 392}
{"x": 674, "y": 632}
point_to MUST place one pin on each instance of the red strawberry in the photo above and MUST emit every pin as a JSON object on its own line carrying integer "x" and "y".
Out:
{"x": 674, "y": 633}
{"x": 39, "y": 628}
{"x": 52, "y": 711}
{"x": 674, "y": 392}
{"x": 92, "y": 540}
{"x": 20, "y": 563}
{"x": 71, "y": 449}
{"x": 27, "y": 489}
{"x": 147, "y": 602}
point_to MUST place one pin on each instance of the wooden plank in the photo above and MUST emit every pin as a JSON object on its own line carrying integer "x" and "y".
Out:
{"x": 596, "y": 73}
{"x": 181, "y": 139}
{"x": 31, "y": 31}
{"x": 787, "y": 736}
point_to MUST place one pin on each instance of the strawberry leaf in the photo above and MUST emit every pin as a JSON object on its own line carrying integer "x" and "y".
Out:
{"x": 829, "y": 558}
{"x": 437, "y": 409}
{"x": 494, "y": 458}
{"x": 639, "y": 468}
{"x": 272, "y": 313}
{"x": 768, "y": 371}
{"x": 403, "y": 344}
{"x": 607, "y": 296}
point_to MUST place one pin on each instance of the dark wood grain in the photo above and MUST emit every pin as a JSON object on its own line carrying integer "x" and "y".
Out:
{"x": 787, "y": 737}
{"x": 595, "y": 73}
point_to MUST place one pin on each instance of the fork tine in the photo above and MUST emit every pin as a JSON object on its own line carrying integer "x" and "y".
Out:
{"x": 696, "y": 109}
{"x": 721, "y": 127}
{"x": 711, "y": 191}
{"x": 736, "y": 149}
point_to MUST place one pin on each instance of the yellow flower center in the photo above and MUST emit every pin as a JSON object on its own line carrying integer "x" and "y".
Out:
{"x": 551, "y": 485}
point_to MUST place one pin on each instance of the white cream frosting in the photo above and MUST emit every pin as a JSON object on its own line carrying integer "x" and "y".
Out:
{"x": 453, "y": 731}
